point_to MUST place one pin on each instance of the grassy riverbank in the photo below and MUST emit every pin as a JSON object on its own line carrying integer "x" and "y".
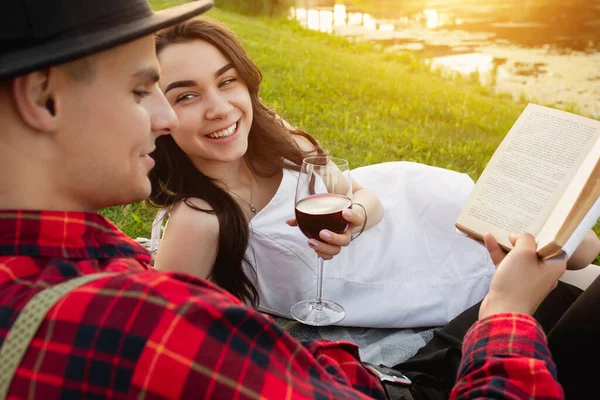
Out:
{"x": 362, "y": 104}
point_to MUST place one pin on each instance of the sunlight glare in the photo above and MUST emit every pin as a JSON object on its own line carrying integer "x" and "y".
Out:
{"x": 339, "y": 15}
{"x": 369, "y": 22}
{"x": 301, "y": 14}
{"x": 466, "y": 64}
{"x": 312, "y": 20}
{"x": 326, "y": 21}
{"x": 355, "y": 19}
{"x": 433, "y": 18}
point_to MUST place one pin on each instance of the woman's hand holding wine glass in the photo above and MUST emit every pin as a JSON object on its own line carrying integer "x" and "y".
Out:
{"x": 330, "y": 243}
{"x": 323, "y": 198}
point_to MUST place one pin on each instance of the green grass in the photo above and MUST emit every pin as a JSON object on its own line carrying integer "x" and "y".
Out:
{"x": 362, "y": 104}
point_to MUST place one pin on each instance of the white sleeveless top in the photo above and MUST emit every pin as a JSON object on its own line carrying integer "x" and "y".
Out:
{"x": 410, "y": 270}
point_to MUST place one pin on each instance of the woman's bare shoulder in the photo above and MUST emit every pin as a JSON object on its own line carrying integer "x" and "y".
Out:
{"x": 190, "y": 241}
{"x": 194, "y": 215}
{"x": 303, "y": 143}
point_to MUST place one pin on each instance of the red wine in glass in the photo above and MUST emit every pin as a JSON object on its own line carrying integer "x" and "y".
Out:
{"x": 322, "y": 211}
{"x": 323, "y": 192}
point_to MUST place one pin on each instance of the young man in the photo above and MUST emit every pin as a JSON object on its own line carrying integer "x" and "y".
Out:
{"x": 80, "y": 110}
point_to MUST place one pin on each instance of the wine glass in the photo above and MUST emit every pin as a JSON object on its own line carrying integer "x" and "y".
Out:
{"x": 323, "y": 191}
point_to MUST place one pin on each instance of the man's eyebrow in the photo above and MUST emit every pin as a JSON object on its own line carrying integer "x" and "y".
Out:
{"x": 178, "y": 84}
{"x": 149, "y": 73}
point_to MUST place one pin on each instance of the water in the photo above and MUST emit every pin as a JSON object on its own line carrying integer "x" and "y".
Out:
{"x": 547, "y": 53}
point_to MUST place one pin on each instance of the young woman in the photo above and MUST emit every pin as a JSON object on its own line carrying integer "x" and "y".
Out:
{"x": 227, "y": 178}
{"x": 226, "y": 160}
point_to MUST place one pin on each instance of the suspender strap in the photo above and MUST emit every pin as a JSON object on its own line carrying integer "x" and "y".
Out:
{"x": 28, "y": 322}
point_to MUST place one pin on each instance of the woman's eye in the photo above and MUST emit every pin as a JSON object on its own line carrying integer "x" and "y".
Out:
{"x": 184, "y": 97}
{"x": 227, "y": 82}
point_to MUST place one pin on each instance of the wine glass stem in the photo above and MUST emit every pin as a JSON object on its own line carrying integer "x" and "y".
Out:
{"x": 319, "y": 281}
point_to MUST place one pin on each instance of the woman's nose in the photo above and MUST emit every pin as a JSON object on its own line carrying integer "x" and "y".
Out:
{"x": 218, "y": 107}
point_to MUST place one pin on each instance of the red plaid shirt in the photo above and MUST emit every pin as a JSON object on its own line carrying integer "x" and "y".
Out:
{"x": 505, "y": 356}
{"x": 153, "y": 335}
{"x": 145, "y": 334}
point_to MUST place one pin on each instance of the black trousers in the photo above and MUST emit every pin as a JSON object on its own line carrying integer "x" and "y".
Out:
{"x": 575, "y": 345}
{"x": 434, "y": 368}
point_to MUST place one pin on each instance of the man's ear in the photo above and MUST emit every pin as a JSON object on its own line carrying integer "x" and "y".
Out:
{"x": 35, "y": 99}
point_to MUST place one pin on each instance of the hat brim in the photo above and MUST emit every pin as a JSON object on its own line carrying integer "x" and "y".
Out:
{"x": 68, "y": 49}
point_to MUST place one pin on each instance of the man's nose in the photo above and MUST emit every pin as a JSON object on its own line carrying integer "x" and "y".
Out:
{"x": 164, "y": 120}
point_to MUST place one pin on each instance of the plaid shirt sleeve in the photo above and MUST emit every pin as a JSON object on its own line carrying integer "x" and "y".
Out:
{"x": 215, "y": 346}
{"x": 170, "y": 336}
{"x": 505, "y": 356}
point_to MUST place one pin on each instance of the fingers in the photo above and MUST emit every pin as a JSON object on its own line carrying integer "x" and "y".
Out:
{"x": 555, "y": 269}
{"x": 353, "y": 217}
{"x": 325, "y": 256}
{"x": 492, "y": 246}
{"x": 552, "y": 269}
{"x": 324, "y": 250}
{"x": 523, "y": 241}
{"x": 336, "y": 239}
{"x": 330, "y": 243}
{"x": 292, "y": 222}
{"x": 524, "y": 250}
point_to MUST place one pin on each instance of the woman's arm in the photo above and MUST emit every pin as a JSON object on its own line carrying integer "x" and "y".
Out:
{"x": 372, "y": 206}
{"x": 365, "y": 197}
{"x": 190, "y": 241}
{"x": 331, "y": 243}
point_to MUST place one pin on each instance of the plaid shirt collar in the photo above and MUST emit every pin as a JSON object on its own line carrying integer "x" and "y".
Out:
{"x": 60, "y": 234}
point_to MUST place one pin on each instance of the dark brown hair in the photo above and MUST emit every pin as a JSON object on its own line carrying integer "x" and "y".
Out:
{"x": 175, "y": 179}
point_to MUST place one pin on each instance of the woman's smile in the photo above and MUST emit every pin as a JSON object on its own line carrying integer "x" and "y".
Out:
{"x": 223, "y": 133}
{"x": 226, "y": 135}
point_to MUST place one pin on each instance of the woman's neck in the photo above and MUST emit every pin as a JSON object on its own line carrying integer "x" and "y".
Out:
{"x": 232, "y": 175}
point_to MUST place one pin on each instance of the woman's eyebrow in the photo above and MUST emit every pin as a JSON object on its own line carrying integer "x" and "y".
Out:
{"x": 224, "y": 69}
{"x": 178, "y": 84}
{"x": 190, "y": 83}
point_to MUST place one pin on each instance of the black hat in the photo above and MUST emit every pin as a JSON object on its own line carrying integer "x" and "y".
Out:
{"x": 39, "y": 33}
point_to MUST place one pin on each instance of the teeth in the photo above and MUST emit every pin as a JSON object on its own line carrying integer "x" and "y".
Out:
{"x": 224, "y": 132}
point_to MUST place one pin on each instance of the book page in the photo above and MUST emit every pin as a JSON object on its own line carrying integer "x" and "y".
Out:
{"x": 581, "y": 193}
{"x": 528, "y": 173}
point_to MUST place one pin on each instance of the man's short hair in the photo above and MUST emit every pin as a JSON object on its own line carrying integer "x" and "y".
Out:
{"x": 81, "y": 70}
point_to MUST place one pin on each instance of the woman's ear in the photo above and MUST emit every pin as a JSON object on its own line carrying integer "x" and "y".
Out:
{"x": 35, "y": 101}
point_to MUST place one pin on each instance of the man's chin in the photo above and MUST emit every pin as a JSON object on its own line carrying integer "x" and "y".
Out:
{"x": 143, "y": 193}
{"x": 139, "y": 193}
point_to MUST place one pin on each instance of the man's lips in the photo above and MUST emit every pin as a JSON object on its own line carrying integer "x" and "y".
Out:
{"x": 147, "y": 153}
{"x": 148, "y": 160}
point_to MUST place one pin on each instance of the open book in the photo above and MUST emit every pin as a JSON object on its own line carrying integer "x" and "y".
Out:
{"x": 544, "y": 179}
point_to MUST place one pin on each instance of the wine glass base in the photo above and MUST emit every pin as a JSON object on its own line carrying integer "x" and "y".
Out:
{"x": 310, "y": 312}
